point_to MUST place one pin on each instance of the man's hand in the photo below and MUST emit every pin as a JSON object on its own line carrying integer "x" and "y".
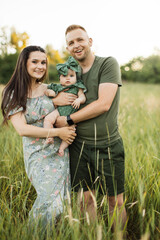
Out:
{"x": 61, "y": 122}
{"x": 63, "y": 99}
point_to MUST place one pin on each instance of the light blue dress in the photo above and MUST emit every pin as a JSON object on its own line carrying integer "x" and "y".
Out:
{"x": 47, "y": 171}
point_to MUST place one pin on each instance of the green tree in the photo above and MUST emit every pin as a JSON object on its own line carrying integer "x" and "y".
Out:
{"x": 151, "y": 69}
{"x": 4, "y": 41}
{"x": 18, "y": 40}
{"x": 65, "y": 53}
{"x": 141, "y": 69}
{"x": 52, "y": 74}
{"x": 55, "y": 57}
{"x": 11, "y": 43}
{"x": 7, "y": 66}
{"x": 131, "y": 70}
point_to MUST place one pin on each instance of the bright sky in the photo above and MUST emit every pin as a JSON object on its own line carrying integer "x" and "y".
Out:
{"x": 120, "y": 28}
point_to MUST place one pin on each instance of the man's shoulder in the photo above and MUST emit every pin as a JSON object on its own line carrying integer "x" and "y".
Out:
{"x": 107, "y": 64}
{"x": 109, "y": 60}
{"x": 108, "y": 70}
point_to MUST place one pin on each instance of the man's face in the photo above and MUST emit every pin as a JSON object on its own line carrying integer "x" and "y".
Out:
{"x": 78, "y": 44}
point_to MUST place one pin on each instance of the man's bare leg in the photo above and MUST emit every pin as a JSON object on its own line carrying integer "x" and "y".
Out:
{"x": 88, "y": 204}
{"x": 117, "y": 201}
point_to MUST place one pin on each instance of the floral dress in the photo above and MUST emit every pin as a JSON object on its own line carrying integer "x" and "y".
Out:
{"x": 47, "y": 171}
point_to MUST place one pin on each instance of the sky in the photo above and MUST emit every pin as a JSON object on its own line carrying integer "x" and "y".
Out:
{"x": 123, "y": 29}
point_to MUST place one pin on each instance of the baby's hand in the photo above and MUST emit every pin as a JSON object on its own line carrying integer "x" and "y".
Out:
{"x": 49, "y": 93}
{"x": 76, "y": 103}
{"x": 46, "y": 93}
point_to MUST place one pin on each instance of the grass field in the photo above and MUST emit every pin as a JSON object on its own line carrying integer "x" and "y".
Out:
{"x": 139, "y": 123}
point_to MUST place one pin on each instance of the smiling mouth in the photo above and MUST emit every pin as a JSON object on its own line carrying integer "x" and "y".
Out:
{"x": 78, "y": 51}
{"x": 39, "y": 72}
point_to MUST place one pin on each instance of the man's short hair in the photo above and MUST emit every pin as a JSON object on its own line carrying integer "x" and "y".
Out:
{"x": 74, "y": 27}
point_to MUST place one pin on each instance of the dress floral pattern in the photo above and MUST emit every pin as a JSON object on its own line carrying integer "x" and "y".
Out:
{"x": 47, "y": 171}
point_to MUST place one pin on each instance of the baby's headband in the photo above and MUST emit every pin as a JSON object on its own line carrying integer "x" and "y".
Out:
{"x": 71, "y": 63}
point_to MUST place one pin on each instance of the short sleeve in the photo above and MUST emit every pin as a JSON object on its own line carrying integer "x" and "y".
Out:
{"x": 15, "y": 110}
{"x": 55, "y": 87}
{"x": 110, "y": 72}
{"x": 79, "y": 84}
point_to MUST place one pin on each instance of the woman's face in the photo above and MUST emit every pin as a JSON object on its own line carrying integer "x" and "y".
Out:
{"x": 36, "y": 65}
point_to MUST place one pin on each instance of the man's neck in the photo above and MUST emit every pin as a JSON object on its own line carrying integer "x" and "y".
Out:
{"x": 87, "y": 64}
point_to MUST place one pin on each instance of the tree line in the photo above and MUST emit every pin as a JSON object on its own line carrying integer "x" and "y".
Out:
{"x": 140, "y": 69}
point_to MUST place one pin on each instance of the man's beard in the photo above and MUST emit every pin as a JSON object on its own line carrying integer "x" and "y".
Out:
{"x": 83, "y": 58}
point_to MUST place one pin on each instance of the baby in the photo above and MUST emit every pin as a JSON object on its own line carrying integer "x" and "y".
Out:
{"x": 68, "y": 80}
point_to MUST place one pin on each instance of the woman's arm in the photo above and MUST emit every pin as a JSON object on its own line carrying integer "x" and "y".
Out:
{"x": 19, "y": 122}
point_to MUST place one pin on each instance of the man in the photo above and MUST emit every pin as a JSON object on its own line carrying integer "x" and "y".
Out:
{"x": 97, "y": 154}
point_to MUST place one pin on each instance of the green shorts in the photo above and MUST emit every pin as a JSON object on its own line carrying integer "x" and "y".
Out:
{"x": 98, "y": 167}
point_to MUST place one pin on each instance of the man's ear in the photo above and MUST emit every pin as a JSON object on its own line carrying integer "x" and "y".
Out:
{"x": 90, "y": 42}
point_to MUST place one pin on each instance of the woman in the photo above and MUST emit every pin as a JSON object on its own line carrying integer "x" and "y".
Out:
{"x": 24, "y": 103}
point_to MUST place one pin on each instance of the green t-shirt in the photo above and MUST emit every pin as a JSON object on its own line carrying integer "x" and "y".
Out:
{"x": 104, "y": 128}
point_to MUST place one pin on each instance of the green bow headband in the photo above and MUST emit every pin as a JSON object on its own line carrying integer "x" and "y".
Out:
{"x": 71, "y": 63}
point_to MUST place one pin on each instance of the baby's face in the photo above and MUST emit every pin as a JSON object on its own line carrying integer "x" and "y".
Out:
{"x": 69, "y": 79}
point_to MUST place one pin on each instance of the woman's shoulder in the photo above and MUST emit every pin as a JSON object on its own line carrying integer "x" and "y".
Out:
{"x": 43, "y": 87}
{"x": 39, "y": 91}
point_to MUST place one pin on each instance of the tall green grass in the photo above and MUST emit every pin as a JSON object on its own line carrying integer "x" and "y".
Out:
{"x": 139, "y": 123}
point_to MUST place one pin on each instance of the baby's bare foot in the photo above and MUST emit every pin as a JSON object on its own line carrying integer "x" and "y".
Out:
{"x": 49, "y": 140}
{"x": 61, "y": 153}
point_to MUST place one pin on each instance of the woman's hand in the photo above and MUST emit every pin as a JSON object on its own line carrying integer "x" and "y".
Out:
{"x": 67, "y": 134}
{"x": 64, "y": 98}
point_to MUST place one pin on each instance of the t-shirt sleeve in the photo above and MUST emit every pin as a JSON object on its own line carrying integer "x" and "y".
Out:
{"x": 52, "y": 86}
{"x": 79, "y": 84}
{"x": 110, "y": 72}
{"x": 56, "y": 87}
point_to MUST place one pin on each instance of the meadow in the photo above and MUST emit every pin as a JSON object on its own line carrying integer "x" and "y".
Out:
{"x": 139, "y": 124}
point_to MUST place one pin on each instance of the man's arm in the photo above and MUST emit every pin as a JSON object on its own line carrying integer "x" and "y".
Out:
{"x": 106, "y": 94}
{"x": 64, "y": 98}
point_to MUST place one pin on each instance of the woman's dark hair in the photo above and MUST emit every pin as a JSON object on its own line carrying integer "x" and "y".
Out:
{"x": 16, "y": 91}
